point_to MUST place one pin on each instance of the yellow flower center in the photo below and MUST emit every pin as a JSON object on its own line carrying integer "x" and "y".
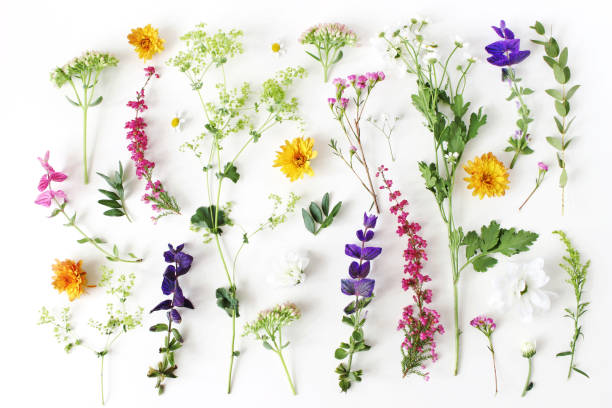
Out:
{"x": 276, "y": 47}
{"x": 175, "y": 122}
{"x": 145, "y": 43}
{"x": 299, "y": 160}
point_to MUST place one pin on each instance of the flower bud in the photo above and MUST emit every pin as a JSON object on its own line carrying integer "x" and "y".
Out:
{"x": 528, "y": 349}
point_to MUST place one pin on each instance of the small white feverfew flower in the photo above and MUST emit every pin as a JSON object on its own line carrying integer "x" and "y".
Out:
{"x": 177, "y": 122}
{"x": 290, "y": 270}
{"x": 277, "y": 48}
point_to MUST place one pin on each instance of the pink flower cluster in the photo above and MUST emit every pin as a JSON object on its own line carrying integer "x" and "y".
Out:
{"x": 484, "y": 323}
{"x": 358, "y": 82}
{"x": 47, "y": 194}
{"x": 138, "y": 146}
{"x": 419, "y": 322}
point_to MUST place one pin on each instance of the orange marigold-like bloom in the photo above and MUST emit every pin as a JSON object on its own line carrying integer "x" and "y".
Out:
{"x": 488, "y": 176}
{"x": 70, "y": 278}
{"x": 146, "y": 41}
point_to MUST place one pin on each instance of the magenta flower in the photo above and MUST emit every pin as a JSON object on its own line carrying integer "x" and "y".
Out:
{"x": 487, "y": 326}
{"x": 542, "y": 166}
{"x": 47, "y": 194}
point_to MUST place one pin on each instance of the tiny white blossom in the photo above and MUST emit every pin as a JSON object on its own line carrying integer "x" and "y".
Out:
{"x": 459, "y": 42}
{"x": 528, "y": 349}
{"x": 277, "y": 48}
{"x": 290, "y": 270}
{"x": 177, "y": 121}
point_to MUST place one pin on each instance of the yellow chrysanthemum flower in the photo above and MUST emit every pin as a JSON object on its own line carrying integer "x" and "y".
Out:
{"x": 146, "y": 41}
{"x": 488, "y": 176}
{"x": 70, "y": 278}
{"x": 294, "y": 158}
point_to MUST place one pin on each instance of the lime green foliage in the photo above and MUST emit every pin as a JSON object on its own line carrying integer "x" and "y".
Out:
{"x": 556, "y": 58}
{"x": 86, "y": 69}
{"x": 576, "y": 276}
{"x": 118, "y": 320}
{"x": 267, "y": 328}
{"x": 115, "y": 199}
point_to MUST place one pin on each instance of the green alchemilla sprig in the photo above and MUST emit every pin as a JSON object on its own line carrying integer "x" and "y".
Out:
{"x": 556, "y": 58}
{"x": 440, "y": 99}
{"x": 576, "y": 276}
{"x": 234, "y": 113}
{"x": 83, "y": 73}
{"x": 115, "y": 199}
{"x": 268, "y": 327}
{"x": 328, "y": 40}
{"x": 117, "y": 322}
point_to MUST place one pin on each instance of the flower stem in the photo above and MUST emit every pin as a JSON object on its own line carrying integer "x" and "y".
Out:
{"x": 493, "y": 358}
{"x": 102, "y": 378}
{"x": 528, "y": 379}
{"x": 516, "y": 155}
{"x": 280, "y": 354}
{"x": 528, "y": 197}
{"x": 457, "y": 330}
{"x": 85, "y": 174}
{"x": 232, "y": 356}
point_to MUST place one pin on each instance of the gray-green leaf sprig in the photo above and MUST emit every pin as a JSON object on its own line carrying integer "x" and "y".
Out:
{"x": 320, "y": 215}
{"x": 115, "y": 199}
{"x": 556, "y": 58}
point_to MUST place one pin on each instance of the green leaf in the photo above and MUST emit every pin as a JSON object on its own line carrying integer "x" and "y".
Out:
{"x": 338, "y": 57}
{"x": 483, "y": 263}
{"x": 177, "y": 335}
{"x": 308, "y": 221}
{"x": 229, "y": 171}
{"x": 555, "y": 141}
{"x": 562, "y": 108}
{"x": 526, "y": 91}
{"x": 563, "y": 353}
{"x": 109, "y": 194}
{"x": 552, "y": 48}
{"x": 114, "y": 213}
{"x": 563, "y": 57}
{"x": 236, "y": 353}
{"x": 347, "y": 320}
{"x": 340, "y": 353}
{"x": 227, "y": 300}
{"x": 472, "y": 243}
{"x": 83, "y": 240}
{"x": 313, "y": 56}
{"x": 489, "y": 236}
{"x": 267, "y": 345}
{"x": 73, "y": 102}
{"x": 560, "y": 74}
{"x": 581, "y": 372}
{"x": 110, "y": 203}
{"x": 571, "y": 91}
{"x": 325, "y": 204}
{"x": 160, "y": 327}
{"x": 115, "y": 251}
{"x": 204, "y": 218}
{"x": 54, "y": 212}
{"x": 335, "y": 210}
{"x": 563, "y": 178}
{"x": 316, "y": 213}
{"x": 559, "y": 125}
{"x": 555, "y": 93}
{"x": 550, "y": 61}
{"x": 538, "y": 27}
{"x": 512, "y": 242}
{"x": 357, "y": 336}
{"x": 96, "y": 102}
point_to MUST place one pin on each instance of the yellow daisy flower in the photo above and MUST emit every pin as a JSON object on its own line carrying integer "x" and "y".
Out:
{"x": 488, "y": 176}
{"x": 146, "y": 41}
{"x": 70, "y": 278}
{"x": 294, "y": 158}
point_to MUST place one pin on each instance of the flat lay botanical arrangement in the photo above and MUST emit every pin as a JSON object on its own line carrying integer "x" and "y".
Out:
{"x": 222, "y": 139}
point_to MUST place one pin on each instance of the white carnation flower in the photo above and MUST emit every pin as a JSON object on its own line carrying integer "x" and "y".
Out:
{"x": 290, "y": 270}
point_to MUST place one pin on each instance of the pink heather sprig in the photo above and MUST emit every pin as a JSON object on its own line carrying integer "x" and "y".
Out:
{"x": 418, "y": 322}
{"x": 161, "y": 202}
{"x": 362, "y": 86}
{"x": 47, "y": 196}
{"x": 486, "y": 326}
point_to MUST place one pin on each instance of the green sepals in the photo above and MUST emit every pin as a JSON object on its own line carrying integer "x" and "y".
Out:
{"x": 227, "y": 300}
{"x": 229, "y": 171}
{"x": 320, "y": 215}
{"x": 205, "y": 217}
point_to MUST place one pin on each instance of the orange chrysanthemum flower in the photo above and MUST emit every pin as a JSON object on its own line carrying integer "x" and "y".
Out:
{"x": 294, "y": 158}
{"x": 146, "y": 41}
{"x": 70, "y": 278}
{"x": 488, "y": 176}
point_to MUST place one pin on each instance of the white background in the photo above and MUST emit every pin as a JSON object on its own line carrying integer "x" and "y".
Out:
{"x": 36, "y": 117}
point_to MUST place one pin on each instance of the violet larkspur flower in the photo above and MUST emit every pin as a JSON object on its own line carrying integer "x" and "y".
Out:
{"x": 505, "y": 52}
{"x": 170, "y": 285}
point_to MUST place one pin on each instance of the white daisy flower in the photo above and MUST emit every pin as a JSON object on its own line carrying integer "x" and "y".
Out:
{"x": 290, "y": 270}
{"x": 522, "y": 285}
{"x": 459, "y": 42}
{"x": 177, "y": 122}
{"x": 278, "y": 48}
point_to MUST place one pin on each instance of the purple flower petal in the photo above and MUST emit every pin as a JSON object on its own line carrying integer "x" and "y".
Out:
{"x": 180, "y": 248}
{"x": 347, "y": 286}
{"x": 174, "y": 315}
{"x": 499, "y": 31}
{"x": 167, "y": 285}
{"x": 365, "y": 237}
{"x": 184, "y": 263}
{"x": 370, "y": 253}
{"x": 354, "y": 269}
{"x": 499, "y": 47}
{"x": 364, "y": 270}
{"x": 516, "y": 57}
{"x": 499, "y": 60}
{"x": 169, "y": 256}
{"x": 369, "y": 221}
{"x": 353, "y": 250}
{"x": 508, "y": 34}
{"x": 178, "y": 299}
{"x": 364, "y": 287}
{"x": 165, "y": 305}
{"x": 187, "y": 303}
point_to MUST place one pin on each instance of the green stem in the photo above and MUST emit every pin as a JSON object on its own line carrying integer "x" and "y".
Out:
{"x": 528, "y": 379}
{"x": 102, "y": 378}
{"x": 85, "y": 174}
{"x": 528, "y": 197}
{"x": 229, "y": 377}
{"x": 280, "y": 354}
{"x": 457, "y": 330}
{"x": 514, "y": 158}
{"x": 493, "y": 358}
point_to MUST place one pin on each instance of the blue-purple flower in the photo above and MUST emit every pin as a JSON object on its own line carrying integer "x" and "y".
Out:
{"x": 181, "y": 263}
{"x": 359, "y": 284}
{"x": 505, "y": 52}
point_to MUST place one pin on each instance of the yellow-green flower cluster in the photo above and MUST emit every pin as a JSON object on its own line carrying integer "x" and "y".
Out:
{"x": 83, "y": 66}
{"x": 272, "y": 320}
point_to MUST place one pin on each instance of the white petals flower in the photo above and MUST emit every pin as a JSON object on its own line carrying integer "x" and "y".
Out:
{"x": 177, "y": 122}
{"x": 528, "y": 349}
{"x": 470, "y": 58}
{"x": 289, "y": 270}
{"x": 277, "y": 48}
{"x": 459, "y": 42}
{"x": 522, "y": 284}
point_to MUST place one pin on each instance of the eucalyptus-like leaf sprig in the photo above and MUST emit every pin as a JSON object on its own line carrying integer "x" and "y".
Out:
{"x": 576, "y": 276}
{"x": 118, "y": 321}
{"x": 114, "y": 199}
{"x": 438, "y": 93}
{"x": 320, "y": 215}
{"x": 268, "y": 327}
{"x": 556, "y": 58}
{"x": 235, "y": 112}
{"x": 83, "y": 73}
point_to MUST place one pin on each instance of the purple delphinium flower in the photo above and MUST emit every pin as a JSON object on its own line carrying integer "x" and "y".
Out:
{"x": 170, "y": 284}
{"x": 505, "y": 52}
{"x": 359, "y": 284}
